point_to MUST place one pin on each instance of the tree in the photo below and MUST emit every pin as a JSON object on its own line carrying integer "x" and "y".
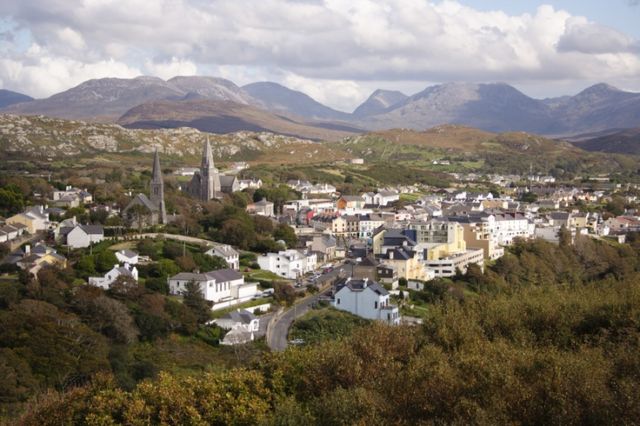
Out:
{"x": 529, "y": 197}
{"x": 564, "y": 236}
{"x": 10, "y": 202}
{"x": 109, "y": 317}
{"x": 186, "y": 263}
{"x": 286, "y": 233}
{"x": 195, "y": 301}
{"x": 237, "y": 233}
{"x": 105, "y": 260}
{"x": 284, "y": 293}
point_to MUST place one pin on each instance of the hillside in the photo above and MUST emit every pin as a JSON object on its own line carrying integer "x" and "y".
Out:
{"x": 625, "y": 141}
{"x": 106, "y": 99}
{"x": 494, "y": 107}
{"x": 282, "y": 100}
{"x": 40, "y": 137}
{"x": 8, "y": 97}
{"x": 221, "y": 117}
{"x": 379, "y": 102}
{"x": 474, "y": 149}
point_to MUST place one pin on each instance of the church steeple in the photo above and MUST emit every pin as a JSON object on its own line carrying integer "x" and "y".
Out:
{"x": 210, "y": 183}
{"x": 157, "y": 188}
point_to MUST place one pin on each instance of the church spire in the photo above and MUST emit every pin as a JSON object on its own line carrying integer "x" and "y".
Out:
{"x": 207, "y": 155}
{"x": 156, "y": 174}
{"x": 157, "y": 188}
{"x": 210, "y": 178}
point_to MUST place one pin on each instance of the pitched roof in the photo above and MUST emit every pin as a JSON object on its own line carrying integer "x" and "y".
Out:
{"x": 224, "y": 275}
{"x": 92, "y": 229}
{"x": 361, "y": 285}
{"x": 128, "y": 253}
{"x": 243, "y": 316}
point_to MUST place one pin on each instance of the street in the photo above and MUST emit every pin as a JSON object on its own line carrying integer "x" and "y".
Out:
{"x": 277, "y": 339}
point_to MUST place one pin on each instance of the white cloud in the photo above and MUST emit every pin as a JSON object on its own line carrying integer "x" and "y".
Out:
{"x": 71, "y": 38}
{"x": 317, "y": 46}
{"x": 39, "y": 74}
{"x": 174, "y": 67}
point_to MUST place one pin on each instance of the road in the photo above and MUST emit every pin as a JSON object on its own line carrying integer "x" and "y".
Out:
{"x": 277, "y": 337}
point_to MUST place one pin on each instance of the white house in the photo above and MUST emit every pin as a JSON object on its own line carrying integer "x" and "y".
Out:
{"x": 224, "y": 286}
{"x": 85, "y": 235}
{"x": 366, "y": 299}
{"x": 261, "y": 208}
{"x": 384, "y": 198}
{"x": 368, "y": 224}
{"x": 250, "y": 183}
{"x": 111, "y": 276}
{"x": 288, "y": 263}
{"x": 228, "y": 253}
{"x": 11, "y": 232}
{"x": 128, "y": 256}
{"x": 242, "y": 325}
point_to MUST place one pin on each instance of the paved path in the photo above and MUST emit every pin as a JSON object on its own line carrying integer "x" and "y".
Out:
{"x": 175, "y": 237}
{"x": 279, "y": 328}
{"x": 281, "y": 323}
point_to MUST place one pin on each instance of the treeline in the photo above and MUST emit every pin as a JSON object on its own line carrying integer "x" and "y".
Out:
{"x": 549, "y": 335}
{"x": 57, "y": 332}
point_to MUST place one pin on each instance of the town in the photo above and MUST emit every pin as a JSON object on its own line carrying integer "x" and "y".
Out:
{"x": 370, "y": 254}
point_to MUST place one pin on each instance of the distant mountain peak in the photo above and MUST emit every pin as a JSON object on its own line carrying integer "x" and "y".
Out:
{"x": 600, "y": 88}
{"x": 9, "y": 97}
{"x": 282, "y": 100}
{"x": 379, "y": 101}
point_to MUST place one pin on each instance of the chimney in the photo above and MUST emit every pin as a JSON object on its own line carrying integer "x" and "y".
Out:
{"x": 391, "y": 254}
{"x": 27, "y": 249}
{"x": 365, "y": 282}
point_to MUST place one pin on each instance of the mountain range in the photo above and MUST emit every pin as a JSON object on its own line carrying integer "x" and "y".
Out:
{"x": 7, "y": 97}
{"x": 497, "y": 107}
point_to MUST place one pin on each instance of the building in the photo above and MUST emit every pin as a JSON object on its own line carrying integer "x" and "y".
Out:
{"x": 11, "y": 232}
{"x": 289, "y": 264}
{"x": 228, "y": 253}
{"x": 116, "y": 272}
{"x": 32, "y": 260}
{"x": 347, "y": 226}
{"x": 261, "y": 208}
{"x": 446, "y": 266}
{"x": 71, "y": 197}
{"x": 145, "y": 211}
{"x": 84, "y": 235}
{"x": 242, "y": 326}
{"x": 366, "y": 299}
{"x": 34, "y": 219}
{"x": 207, "y": 183}
{"x": 325, "y": 245}
{"x": 350, "y": 202}
{"x": 367, "y": 224}
{"x": 224, "y": 287}
{"x": 249, "y": 184}
{"x": 128, "y": 257}
{"x": 406, "y": 262}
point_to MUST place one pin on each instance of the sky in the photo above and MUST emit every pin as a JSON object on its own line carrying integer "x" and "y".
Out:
{"x": 337, "y": 51}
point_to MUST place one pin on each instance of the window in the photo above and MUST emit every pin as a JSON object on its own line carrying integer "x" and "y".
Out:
{"x": 338, "y": 301}
{"x": 375, "y": 305}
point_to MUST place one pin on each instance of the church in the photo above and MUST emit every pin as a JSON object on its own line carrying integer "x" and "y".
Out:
{"x": 143, "y": 211}
{"x": 207, "y": 183}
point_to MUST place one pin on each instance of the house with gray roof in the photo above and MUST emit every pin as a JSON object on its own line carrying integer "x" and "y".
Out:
{"x": 84, "y": 235}
{"x": 116, "y": 272}
{"x": 365, "y": 298}
{"x": 221, "y": 286}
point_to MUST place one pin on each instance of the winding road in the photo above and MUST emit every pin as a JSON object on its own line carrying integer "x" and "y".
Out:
{"x": 281, "y": 323}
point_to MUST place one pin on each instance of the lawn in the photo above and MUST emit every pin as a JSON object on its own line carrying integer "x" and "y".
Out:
{"x": 326, "y": 323}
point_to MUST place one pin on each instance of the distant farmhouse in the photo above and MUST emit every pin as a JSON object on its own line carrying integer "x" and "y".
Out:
{"x": 148, "y": 211}
{"x": 207, "y": 183}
